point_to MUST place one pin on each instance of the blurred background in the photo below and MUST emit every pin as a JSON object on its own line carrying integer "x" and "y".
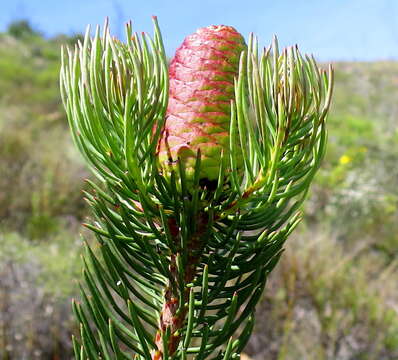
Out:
{"x": 334, "y": 295}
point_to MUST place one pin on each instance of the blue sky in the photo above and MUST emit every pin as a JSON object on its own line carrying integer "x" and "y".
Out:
{"x": 330, "y": 29}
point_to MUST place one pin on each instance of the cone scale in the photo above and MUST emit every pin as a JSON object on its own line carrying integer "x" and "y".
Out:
{"x": 201, "y": 76}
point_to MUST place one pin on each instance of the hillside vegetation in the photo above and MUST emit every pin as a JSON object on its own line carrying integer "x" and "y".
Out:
{"x": 334, "y": 296}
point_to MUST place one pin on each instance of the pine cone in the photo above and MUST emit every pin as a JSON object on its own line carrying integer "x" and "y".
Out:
{"x": 201, "y": 77}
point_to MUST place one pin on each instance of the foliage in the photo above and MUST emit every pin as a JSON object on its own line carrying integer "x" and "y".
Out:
{"x": 363, "y": 115}
{"x": 182, "y": 265}
{"x": 21, "y": 29}
{"x": 41, "y": 172}
{"x": 36, "y": 282}
{"x": 328, "y": 302}
{"x": 355, "y": 192}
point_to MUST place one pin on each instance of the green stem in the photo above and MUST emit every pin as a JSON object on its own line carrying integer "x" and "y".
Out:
{"x": 176, "y": 294}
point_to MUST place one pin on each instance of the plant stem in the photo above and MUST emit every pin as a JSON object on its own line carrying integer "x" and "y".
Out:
{"x": 176, "y": 295}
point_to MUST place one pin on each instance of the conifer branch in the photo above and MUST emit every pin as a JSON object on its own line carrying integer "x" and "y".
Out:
{"x": 186, "y": 238}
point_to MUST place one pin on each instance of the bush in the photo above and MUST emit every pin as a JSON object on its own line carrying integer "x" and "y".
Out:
{"x": 21, "y": 29}
{"x": 326, "y": 302}
{"x": 41, "y": 181}
{"x": 37, "y": 280}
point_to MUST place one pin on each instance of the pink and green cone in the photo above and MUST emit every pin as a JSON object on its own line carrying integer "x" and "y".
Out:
{"x": 201, "y": 78}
